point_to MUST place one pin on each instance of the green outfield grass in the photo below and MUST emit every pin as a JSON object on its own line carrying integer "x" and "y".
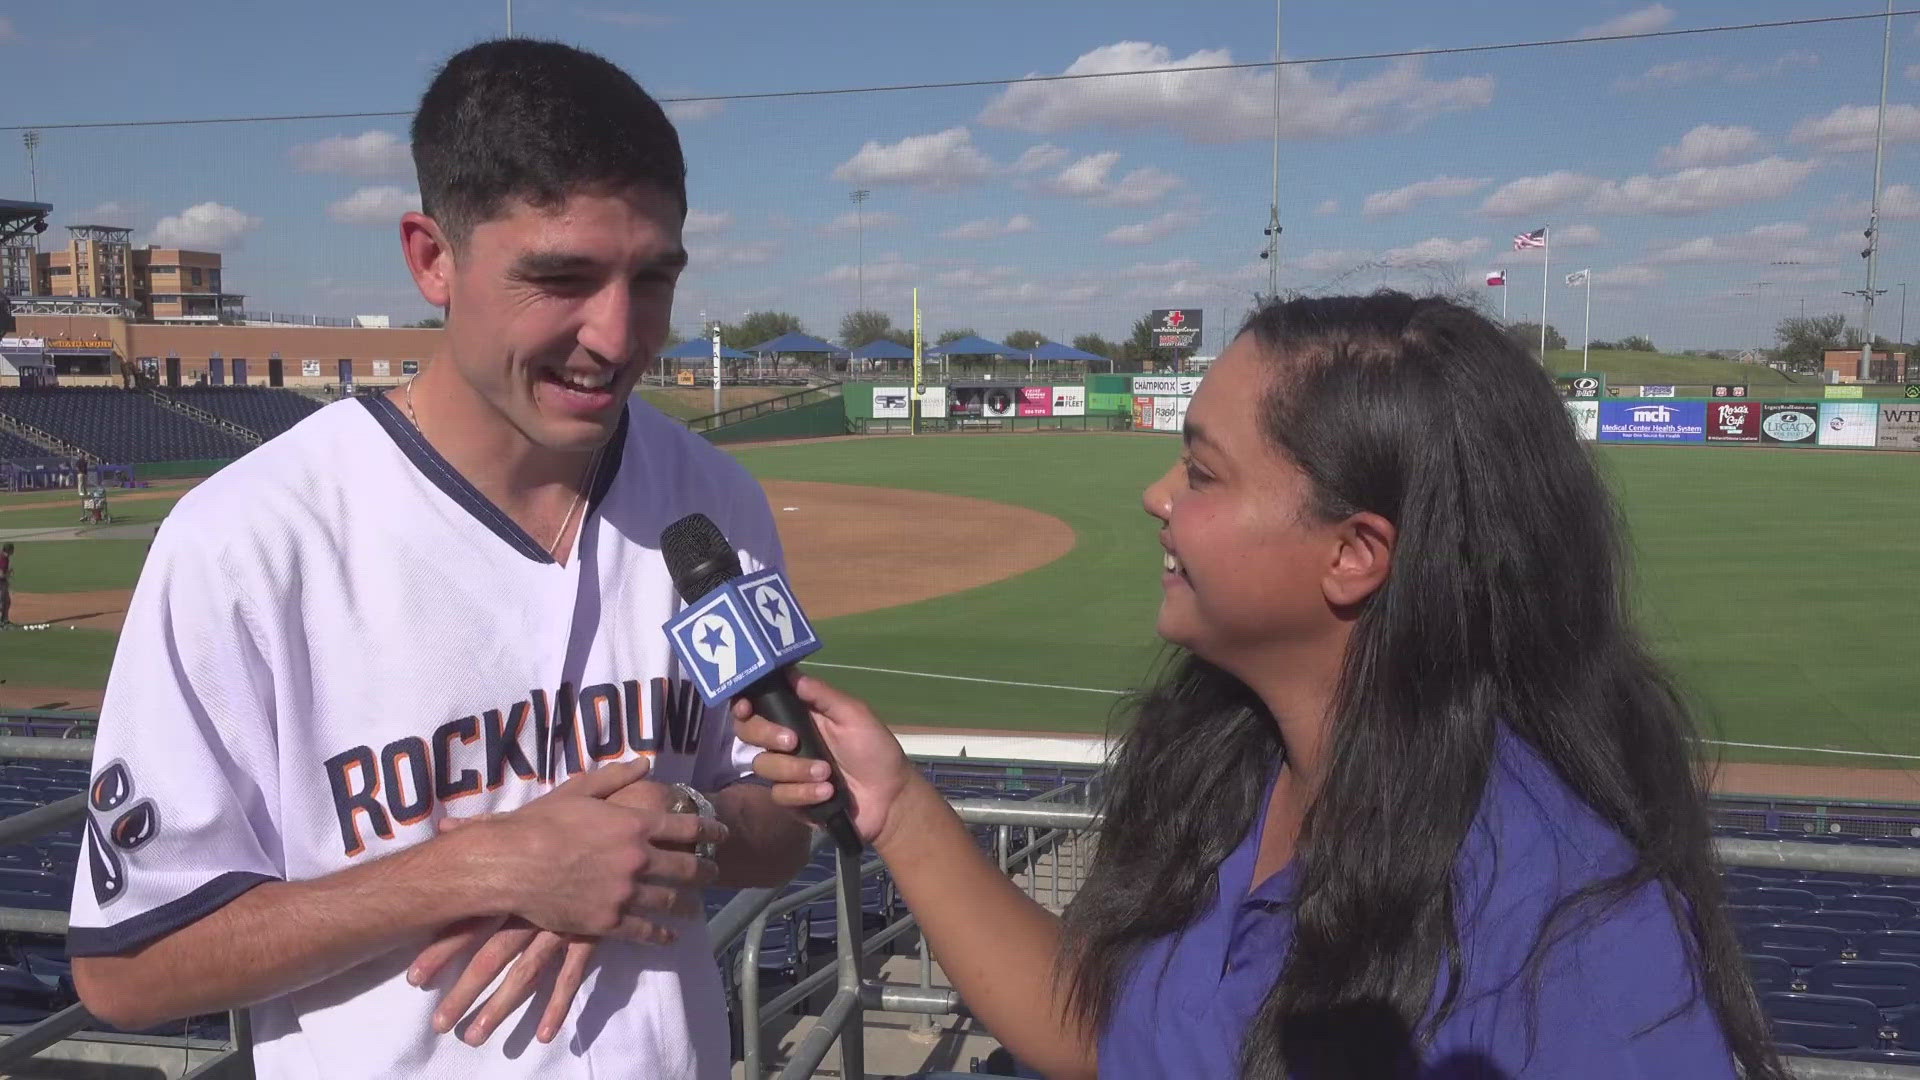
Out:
{"x": 1692, "y": 372}
{"x": 125, "y": 512}
{"x": 1778, "y": 584}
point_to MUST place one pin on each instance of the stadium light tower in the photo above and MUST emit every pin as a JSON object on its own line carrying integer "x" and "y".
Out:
{"x": 32, "y": 141}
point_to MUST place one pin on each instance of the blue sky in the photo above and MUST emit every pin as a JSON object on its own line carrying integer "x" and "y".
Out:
{"x": 1713, "y": 183}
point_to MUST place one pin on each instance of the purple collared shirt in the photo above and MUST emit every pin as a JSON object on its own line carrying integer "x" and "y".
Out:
{"x": 1601, "y": 993}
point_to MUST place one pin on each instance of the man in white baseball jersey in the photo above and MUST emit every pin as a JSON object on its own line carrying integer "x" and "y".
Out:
{"x": 435, "y": 605}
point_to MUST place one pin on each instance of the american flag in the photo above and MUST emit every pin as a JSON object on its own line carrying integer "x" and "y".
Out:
{"x": 1536, "y": 238}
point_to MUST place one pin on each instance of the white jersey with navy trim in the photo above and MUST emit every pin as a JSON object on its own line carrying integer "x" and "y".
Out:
{"x": 337, "y": 641}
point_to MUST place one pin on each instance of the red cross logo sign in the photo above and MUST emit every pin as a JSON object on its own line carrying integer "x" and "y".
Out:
{"x": 1176, "y": 317}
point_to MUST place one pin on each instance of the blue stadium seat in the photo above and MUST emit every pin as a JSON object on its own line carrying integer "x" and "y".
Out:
{"x": 1801, "y": 946}
{"x": 1775, "y": 896}
{"x": 1740, "y": 879}
{"x": 1752, "y": 915}
{"x": 263, "y": 410}
{"x": 1902, "y": 945}
{"x": 1888, "y": 984}
{"x": 1825, "y": 1022}
{"x": 1827, "y": 891}
{"x": 1770, "y": 973}
{"x": 1850, "y": 923}
{"x": 120, "y": 426}
{"x": 1894, "y": 908}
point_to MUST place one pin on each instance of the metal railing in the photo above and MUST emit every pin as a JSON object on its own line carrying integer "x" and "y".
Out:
{"x": 1047, "y": 822}
{"x": 753, "y": 410}
{"x": 166, "y": 400}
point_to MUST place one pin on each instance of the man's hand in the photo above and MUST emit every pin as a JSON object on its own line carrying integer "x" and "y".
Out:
{"x": 530, "y": 950}
{"x": 574, "y": 862}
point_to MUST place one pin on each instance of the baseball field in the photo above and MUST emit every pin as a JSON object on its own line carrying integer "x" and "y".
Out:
{"x": 1009, "y": 582}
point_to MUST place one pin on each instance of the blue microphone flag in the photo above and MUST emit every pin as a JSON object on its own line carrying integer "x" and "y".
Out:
{"x": 740, "y": 632}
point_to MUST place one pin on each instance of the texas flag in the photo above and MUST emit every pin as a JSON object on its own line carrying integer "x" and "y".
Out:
{"x": 1496, "y": 277}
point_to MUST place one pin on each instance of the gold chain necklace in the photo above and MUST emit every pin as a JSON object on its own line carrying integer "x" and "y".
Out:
{"x": 586, "y": 477}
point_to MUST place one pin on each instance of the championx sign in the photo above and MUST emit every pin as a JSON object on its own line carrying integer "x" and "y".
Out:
{"x": 1647, "y": 421}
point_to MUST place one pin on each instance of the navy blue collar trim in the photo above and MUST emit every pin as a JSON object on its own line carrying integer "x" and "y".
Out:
{"x": 448, "y": 479}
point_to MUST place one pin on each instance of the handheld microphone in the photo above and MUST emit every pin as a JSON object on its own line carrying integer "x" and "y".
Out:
{"x": 738, "y": 635}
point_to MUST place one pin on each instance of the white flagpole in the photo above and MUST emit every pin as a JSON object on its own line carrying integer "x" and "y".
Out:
{"x": 1587, "y": 332}
{"x": 1503, "y": 298}
{"x": 1546, "y": 251}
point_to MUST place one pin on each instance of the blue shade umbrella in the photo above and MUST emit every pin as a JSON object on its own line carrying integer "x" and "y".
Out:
{"x": 702, "y": 349}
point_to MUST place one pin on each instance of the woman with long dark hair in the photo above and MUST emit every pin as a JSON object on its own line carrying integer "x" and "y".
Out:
{"x": 1413, "y": 800}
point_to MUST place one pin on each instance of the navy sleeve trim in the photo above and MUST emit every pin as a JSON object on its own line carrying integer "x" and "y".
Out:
{"x": 150, "y": 926}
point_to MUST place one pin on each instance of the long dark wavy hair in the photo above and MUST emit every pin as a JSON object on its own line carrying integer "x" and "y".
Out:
{"x": 1506, "y": 602}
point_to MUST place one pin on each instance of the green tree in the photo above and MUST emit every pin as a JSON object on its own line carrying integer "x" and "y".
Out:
{"x": 431, "y": 322}
{"x": 953, "y": 335}
{"x": 1636, "y": 343}
{"x": 1527, "y": 336}
{"x": 1803, "y": 342}
{"x": 1025, "y": 340}
{"x": 759, "y": 326}
{"x": 1137, "y": 353}
{"x": 859, "y": 328}
{"x": 1096, "y": 345}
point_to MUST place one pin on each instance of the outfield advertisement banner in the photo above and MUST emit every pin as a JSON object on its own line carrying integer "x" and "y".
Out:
{"x": 1069, "y": 401}
{"x": 1584, "y": 385}
{"x": 1733, "y": 421}
{"x": 1107, "y": 403}
{"x": 1036, "y": 401}
{"x": 1850, "y": 392}
{"x": 1899, "y": 427}
{"x": 1165, "y": 385}
{"x": 1847, "y": 423}
{"x": 1000, "y": 401}
{"x": 1645, "y": 421}
{"x": 1586, "y": 419}
{"x": 1142, "y": 413}
{"x": 891, "y": 403}
{"x": 1657, "y": 391}
{"x": 1792, "y": 423}
{"x": 933, "y": 401}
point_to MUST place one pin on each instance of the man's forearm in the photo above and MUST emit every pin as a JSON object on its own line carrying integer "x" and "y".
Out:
{"x": 282, "y": 936}
{"x": 766, "y": 844}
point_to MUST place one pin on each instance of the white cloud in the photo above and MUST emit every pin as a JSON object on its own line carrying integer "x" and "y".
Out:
{"x": 1575, "y": 236}
{"x": 1850, "y": 127}
{"x": 1084, "y": 178}
{"x": 1170, "y": 268}
{"x": 1041, "y": 157}
{"x": 963, "y": 279}
{"x": 1713, "y": 69}
{"x": 1898, "y": 202}
{"x": 634, "y": 20}
{"x": 943, "y": 159}
{"x": 1438, "y": 249}
{"x": 708, "y": 256}
{"x": 7, "y": 32}
{"x": 1644, "y": 20}
{"x": 1327, "y": 260}
{"x": 1783, "y": 241}
{"x": 886, "y": 270}
{"x": 1627, "y": 277}
{"x": 705, "y": 222}
{"x": 1534, "y": 194}
{"x": 207, "y": 226}
{"x": 107, "y": 213}
{"x": 689, "y": 112}
{"x": 1225, "y": 106}
{"x": 990, "y": 228}
{"x": 1327, "y": 206}
{"x": 1039, "y": 290}
{"x": 1402, "y": 199}
{"x": 1697, "y": 190}
{"x": 865, "y": 219}
{"x": 1153, "y": 230}
{"x": 1912, "y": 71}
{"x": 374, "y": 206}
{"x": 1087, "y": 179}
{"x": 370, "y": 153}
{"x": 1709, "y": 144}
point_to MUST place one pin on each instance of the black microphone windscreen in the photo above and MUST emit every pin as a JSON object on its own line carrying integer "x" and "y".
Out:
{"x": 698, "y": 556}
